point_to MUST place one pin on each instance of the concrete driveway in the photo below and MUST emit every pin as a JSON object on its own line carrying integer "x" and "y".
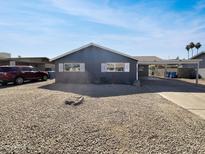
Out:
{"x": 188, "y": 96}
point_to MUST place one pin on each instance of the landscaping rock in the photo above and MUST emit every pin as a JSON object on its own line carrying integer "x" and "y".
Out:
{"x": 35, "y": 120}
{"x": 74, "y": 100}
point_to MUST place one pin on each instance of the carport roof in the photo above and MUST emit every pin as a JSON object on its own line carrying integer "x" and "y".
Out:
{"x": 164, "y": 62}
{"x": 198, "y": 55}
{"x": 147, "y": 58}
{"x": 96, "y": 45}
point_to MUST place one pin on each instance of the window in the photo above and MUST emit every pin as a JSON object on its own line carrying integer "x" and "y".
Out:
{"x": 110, "y": 67}
{"x": 120, "y": 67}
{"x": 34, "y": 69}
{"x": 115, "y": 67}
{"x": 25, "y": 69}
{"x": 74, "y": 67}
{"x": 8, "y": 69}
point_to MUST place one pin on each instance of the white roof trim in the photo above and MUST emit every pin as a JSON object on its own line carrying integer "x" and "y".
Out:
{"x": 92, "y": 44}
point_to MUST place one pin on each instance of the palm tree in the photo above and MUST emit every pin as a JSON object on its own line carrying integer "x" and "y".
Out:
{"x": 191, "y": 45}
{"x": 197, "y": 46}
{"x": 188, "y": 48}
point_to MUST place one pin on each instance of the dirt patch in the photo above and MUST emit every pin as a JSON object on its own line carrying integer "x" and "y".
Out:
{"x": 36, "y": 120}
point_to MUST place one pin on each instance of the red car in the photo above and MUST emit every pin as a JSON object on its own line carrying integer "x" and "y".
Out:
{"x": 18, "y": 74}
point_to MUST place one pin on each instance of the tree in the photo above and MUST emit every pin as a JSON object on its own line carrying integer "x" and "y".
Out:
{"x": 191, "y": 45}
{"x": 188, "y": 48}
{"x": 197, "y": 46}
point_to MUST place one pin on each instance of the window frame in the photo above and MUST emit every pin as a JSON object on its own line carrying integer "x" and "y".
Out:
{"x": 115, "y": 66}
{"x": 80, "y": 64}
{"x": 26, "y": 69}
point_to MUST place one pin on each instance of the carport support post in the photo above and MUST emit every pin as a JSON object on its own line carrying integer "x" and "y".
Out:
{"x": 137, "y": 71}
{"x": 165, "y": 70}
{"x": 197, "y": 74}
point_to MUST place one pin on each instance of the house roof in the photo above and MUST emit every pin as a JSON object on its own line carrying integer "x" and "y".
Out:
{"x": 17, "y": 58}
{"x": 199, "y": 54}
{"x": 95, "y": 45}
{"x": 170, "y": 62}
{"x": 147, "y": 58}
{"x": 153, "y": 60}
{"x": 28, "y": 59}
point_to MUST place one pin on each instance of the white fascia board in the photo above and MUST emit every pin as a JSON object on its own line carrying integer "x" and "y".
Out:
{"x": 96, "y": 45}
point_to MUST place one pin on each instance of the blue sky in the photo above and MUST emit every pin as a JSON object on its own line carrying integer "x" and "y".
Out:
{"x": 136, "y": 27}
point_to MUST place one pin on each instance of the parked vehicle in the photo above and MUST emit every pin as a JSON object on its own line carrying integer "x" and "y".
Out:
{"x": 18, "y": 74}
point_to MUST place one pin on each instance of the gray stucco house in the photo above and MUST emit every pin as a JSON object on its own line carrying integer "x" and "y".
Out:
{"x": 93, "y": 63}
{"x": 201, "y": 56}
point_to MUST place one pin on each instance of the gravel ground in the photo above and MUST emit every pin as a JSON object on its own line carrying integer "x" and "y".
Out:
{"x": 34, "y": 119}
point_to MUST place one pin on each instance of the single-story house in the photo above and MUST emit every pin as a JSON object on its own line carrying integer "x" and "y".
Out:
{"x": 42, "y": 63}
{"x": 93, "y": 63}
{"x": 201, "y": 56}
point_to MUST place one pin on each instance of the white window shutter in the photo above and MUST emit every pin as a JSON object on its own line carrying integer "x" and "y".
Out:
{"x": 103, "y": 67}
{"x": 127, "y": 67}
{"x": 60, "y": 69}
{"x": 82, "y": 67}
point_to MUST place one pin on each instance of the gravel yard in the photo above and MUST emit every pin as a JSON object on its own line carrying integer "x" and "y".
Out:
{"x": 112, "y": 119}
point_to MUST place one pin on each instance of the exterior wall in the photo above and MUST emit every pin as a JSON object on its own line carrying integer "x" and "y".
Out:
{"x": 202, "y": 63}
{"x": 189, "y": 73}
{"x": 93, "y": 57}
{"x": 189, "y": 65}
{"x": 202, "y": 72}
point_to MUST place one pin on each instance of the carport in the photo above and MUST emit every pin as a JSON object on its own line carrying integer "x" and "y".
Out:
{"x": 174, "y": 62}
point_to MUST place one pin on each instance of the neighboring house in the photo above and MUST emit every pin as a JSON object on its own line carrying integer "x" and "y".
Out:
{"x": 144, "y": 69}
{"x": 42, "y": 63}
{"x": 93, "y": 63}
{"x": 5, "y": 55}
{"x": 201, "y": 56}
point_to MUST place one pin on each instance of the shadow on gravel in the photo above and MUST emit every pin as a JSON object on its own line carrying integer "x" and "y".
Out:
{"x": 94, "y": 90}
{"x": 11, "y": 84}
{"x": 106, "y": 90}
{"x": 168, "y": 85}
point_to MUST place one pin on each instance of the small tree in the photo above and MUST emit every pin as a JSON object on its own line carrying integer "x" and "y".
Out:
{"x": 187, "y": 48}
{"x": 192, "y": 45}
{"x": 197, "y": 46}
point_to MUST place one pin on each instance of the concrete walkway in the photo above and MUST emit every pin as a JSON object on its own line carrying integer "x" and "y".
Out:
{"x": 188, "y": 96}
{"x": 193, "y": 102}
